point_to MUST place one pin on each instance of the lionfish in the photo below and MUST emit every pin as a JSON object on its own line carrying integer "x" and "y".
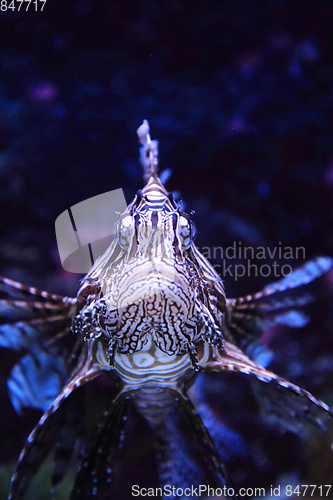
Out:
{"x": 152, "y": 313}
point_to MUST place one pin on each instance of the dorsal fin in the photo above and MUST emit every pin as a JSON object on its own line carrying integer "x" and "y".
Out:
{"x": 149, "y": 161}
{"x": 148, "y": 152}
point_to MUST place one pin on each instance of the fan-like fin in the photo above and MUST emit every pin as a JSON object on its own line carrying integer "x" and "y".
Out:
{"x": 96, "y": 470}
{"x": 288, "y": 412}
{"x": 72, "y": 428}
{"x": 35, "y": 383}
{"x": 38, "y": 445}
{"x": 16, "y": 289}
{"x": 22, "y": 309}
{"x": 247, "y": 317}
{"x": 205, "y": 442}
{"x": 42, "y": 438}
{"x": 31, "y": 334}
{"x": 175, "y": 456}
{"x": 30, "y": 323}
{"x": 311, "y": 270}
{"x": 36, "y": 325}
{"x": 229, "y": 443}
{"x": 293, "y": 403}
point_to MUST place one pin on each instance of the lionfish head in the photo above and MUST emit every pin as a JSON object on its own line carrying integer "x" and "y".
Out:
{"x": 148, "y": 287}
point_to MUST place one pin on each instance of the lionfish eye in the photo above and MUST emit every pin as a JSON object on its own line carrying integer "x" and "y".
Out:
{"x": 125, "y": 230}
{"x": 187, "y": 232}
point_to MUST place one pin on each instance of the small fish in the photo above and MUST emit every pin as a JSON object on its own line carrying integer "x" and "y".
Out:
{"x": 153, "y": 314}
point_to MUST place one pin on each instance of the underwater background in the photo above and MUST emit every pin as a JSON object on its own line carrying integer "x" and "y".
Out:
{"x": 240, "y": 96}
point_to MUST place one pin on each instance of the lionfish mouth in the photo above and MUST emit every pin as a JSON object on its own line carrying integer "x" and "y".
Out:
{"x": 156, "y": 304}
